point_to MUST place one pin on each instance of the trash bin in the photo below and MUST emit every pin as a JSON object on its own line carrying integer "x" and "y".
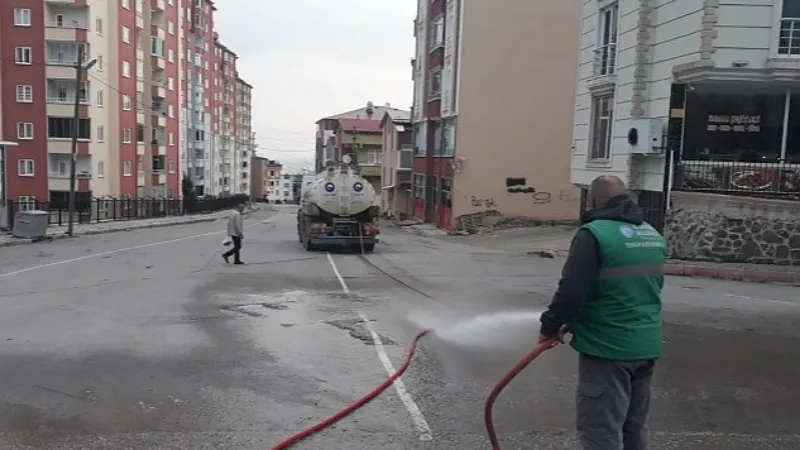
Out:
{"x": 31, "y": 224}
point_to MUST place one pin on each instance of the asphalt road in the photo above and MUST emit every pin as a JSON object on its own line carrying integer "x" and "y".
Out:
{"x": 147, "y": 340}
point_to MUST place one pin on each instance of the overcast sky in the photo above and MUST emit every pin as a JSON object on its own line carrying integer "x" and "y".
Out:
{"x": 307, "y": 59}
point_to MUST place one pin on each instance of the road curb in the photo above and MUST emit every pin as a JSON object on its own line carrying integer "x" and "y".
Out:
{"x": 733, "y": 273}
{"x": 115, "y": 230}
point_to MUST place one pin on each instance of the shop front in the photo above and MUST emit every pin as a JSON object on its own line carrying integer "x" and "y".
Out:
{"x": 742, "y": 140}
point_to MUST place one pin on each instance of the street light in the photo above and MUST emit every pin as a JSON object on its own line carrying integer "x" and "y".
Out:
{"x": 80, "y": 69}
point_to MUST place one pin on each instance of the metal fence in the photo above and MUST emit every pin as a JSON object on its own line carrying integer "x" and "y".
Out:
{"x": 741, "y": 178}
{"x": 113, "y": 209}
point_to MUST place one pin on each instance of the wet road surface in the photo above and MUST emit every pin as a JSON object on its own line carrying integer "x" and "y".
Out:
{"x": 147, "y": 340}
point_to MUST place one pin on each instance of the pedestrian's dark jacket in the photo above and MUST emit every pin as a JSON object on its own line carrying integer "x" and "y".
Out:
{"x": 609, "y": 292}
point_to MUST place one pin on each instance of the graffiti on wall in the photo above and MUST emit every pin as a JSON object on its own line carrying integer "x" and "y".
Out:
{"x": 480, "y": 202}
{"x": 519, "y": 185}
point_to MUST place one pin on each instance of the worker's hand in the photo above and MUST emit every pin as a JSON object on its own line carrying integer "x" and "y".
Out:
{"x": 559, "y": 338}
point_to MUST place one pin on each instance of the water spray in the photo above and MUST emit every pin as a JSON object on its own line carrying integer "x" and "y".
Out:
{"x": 488, "y": 407}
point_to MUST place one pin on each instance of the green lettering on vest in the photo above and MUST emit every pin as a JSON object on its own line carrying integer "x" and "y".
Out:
{"x": 621, "y": 320}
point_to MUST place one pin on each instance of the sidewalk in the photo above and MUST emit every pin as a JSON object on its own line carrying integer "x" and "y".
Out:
{"x": 554, "y": 242}
{"x": 59, "y": 232}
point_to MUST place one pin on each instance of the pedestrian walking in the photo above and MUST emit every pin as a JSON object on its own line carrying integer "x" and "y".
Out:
{"x": 609, "y": 299}
{"x": 236, "y": 234}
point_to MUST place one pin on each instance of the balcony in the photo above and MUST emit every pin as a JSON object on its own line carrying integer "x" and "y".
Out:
{"x": 59, "y": 166}
{"x": 159, "y": 90}
{"x": 158, "y": 6}
{"x": 157, "y": 62}
{"x": 62, "y": 19}
{"x": 62, "y": 57}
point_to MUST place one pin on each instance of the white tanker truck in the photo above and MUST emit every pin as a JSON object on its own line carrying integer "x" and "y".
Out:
{"x": 338, "y": 208}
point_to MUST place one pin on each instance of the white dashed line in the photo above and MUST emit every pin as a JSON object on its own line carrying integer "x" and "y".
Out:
{"x": 411, "y": 406}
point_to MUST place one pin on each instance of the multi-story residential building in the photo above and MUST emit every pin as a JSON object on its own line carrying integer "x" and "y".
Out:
{"x": 273, "y": 181}
{"x": 287, "y": 188}
{"x": 326, "y": 129}
{"x": 688, "y": 100}
{"x": 133, "y": 96}
{"x": 199, "y": 118}
{"x": 245, "y": 139}
{"x": 396, "y": 164}
{"x": 225, "y": 81}
{"x": 258, "y": 177}
{"x": 362, "y": 140}
{"x": 502, "y": 147}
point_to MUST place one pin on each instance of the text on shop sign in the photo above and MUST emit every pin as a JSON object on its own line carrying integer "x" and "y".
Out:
{"x": 739, "y": 124}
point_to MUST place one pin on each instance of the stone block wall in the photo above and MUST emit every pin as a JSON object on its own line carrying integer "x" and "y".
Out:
{"x": 711, "y": 227}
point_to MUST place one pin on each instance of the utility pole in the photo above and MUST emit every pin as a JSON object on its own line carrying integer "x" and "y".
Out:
{"x": 80, "y": 69}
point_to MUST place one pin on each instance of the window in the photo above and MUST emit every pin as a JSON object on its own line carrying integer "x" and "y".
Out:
{"x": 606, "y": 51}
{"x": 101, "y": 133}
{"x": 126, "y": 69}
{"x": 101, "y": 169}
{"x": 25, "y": 168}
{"x": 420, "y": 140}
{"x": 449, "y": 144}
{"x": 27, "y": 203}
{"x": 171, "y": 139}
{"x": 24, "y": 93}
{"x": 437, "y": 139}
{"x": 126, "y": 35}
{"x": 126, "y": 4}
{"x": 25, "y": 131}
{"x": 158, "y": 46}
{"x": 126, "y": 102}
{"x": 601, "y": 127}
{"x": 171, "y": 27}
{"x": 127, "y": 136}
{"x": 62, "y": 128}
{"x": 435, "y": 84}
{"x": 172, "y": 166}
{"x": 100, "y": 99}
{"x": 127, "y": 169}
{"x": 171, "y": 84}
{"x": 22, "y": 17}
{"x": 23, "y": 55}
{"x": 59, "y": 20}
{"x": 419, "y": 186}
{"x": 437, "y": 34}
{"x": 789, "y": 36}
{"x": 62, "y": 169}
{"x": 99, "y": 64}
{"x": 98, "y": 26}
{"x": 171, "y": 55}
{"x": 374, "y": 157}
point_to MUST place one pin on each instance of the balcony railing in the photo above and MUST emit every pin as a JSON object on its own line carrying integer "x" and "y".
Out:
{"x": 605, "y": 60}
{"x": 743, "y": 178}
{"x": 789, "y": 37}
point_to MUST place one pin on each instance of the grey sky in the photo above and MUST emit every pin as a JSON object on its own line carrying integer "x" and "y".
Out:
{"x": 310, "y": 58}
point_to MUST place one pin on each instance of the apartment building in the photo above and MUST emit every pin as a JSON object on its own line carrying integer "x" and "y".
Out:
{"x": 258, "y": 179}
{"x": 245, "y": 138}
{"x": 273, "y": 181}
{"x": 132, "y": 117}
{"x": 694, "y": 105}
{"x": 396, "y": 164}
{"x": 229, "y": 159}
{"x": 493, "y": 105}
{"x": 326, "y": 130}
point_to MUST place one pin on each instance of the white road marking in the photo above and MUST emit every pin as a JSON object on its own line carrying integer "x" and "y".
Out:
{"x": 110, "y": 252}
{"x": 411, "y": 406}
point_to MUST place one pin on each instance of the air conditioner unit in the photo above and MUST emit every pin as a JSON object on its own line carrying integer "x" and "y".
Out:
{"x": 646, "y": 137}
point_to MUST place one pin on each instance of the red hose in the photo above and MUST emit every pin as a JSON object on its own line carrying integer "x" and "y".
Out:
{"x": 292, "y": 440}
{"x": 538, "y": 350}
{"x": 498, "y": 388}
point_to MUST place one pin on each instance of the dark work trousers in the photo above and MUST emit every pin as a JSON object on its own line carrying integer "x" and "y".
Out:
{"x": 237, "y": 247}
{"x": 613, "y": 403}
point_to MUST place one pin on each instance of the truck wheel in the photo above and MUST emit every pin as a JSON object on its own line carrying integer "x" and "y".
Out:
{"x": 369, "y": 248}
{"x": 308, "y": 245}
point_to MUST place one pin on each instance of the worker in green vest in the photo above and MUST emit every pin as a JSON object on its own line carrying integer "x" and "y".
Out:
{"x": 609, "y": 299}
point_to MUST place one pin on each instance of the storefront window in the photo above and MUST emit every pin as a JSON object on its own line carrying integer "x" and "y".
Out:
{"x": 742, "y": 127}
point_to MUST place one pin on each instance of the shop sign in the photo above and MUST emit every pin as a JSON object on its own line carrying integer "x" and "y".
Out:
{"x": 736, "y": 124}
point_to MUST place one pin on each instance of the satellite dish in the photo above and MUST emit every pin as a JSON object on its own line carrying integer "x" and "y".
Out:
{"x": 347, "y": 159}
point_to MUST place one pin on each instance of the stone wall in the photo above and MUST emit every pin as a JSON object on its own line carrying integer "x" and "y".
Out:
{"x": 710, "y": 227}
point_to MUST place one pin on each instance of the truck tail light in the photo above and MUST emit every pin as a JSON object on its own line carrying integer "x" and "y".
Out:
{"x": 371, "y": 229}
{"x": 318, "y": 228}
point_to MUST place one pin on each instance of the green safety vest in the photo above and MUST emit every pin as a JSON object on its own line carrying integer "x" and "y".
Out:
{"x": 621, "y": 320}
